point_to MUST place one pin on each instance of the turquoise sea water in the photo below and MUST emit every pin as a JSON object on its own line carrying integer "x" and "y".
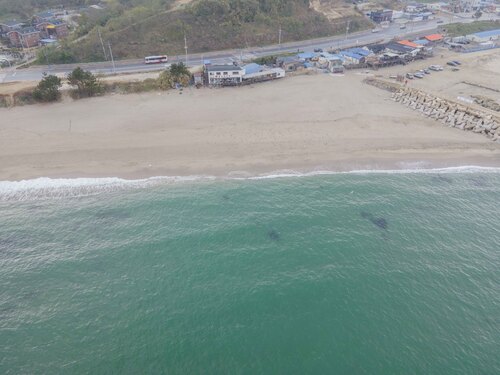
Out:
{"x": 334, "y": 274}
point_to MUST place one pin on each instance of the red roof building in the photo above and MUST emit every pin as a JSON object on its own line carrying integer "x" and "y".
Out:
{"x": 434, "y": 37}
{"x": 409, "y": 44}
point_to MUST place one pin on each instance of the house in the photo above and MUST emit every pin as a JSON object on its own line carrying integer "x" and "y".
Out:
{"x": 400, "y": 49}
{"x": 55, "y": 29}
{"x": 290, "y": 63}
{"x": 360, "y": 51}
{"x": 224, "y": 75}
{"x": 379, "y": 16}
{"x": 198, "y": 79}
{"x": 409, "y": 44}
{"x": 43, "y": 16}
{"x": 264, "y": 75}
{"x": 8, "y": 26}
{"x": 26, "y": 37}
{"x": 336, "y": 64}
{"x": 352, "y": 58}
{"x": 434, "y": 37}
{"x": 252, "y": 68}
{"x": 484, "y": 36}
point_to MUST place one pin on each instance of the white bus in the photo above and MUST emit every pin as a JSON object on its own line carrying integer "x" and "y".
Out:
{"x": 155, "y": 59}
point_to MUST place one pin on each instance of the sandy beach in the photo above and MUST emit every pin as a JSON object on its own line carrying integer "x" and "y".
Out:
{"x": 304, "y": 123}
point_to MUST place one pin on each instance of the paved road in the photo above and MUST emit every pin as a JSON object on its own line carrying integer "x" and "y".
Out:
{"x": 223, "y": 57}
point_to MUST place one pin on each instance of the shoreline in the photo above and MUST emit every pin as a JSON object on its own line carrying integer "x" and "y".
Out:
{"x": 56, "y": 188}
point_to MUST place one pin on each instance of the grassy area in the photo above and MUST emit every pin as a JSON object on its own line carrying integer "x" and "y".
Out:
{"x": 208, "y": 25}
{"x": 459, "y": 29}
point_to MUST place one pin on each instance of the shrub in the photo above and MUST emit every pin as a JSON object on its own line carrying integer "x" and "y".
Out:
{"x": 86, "y": 83}
{"x": 48, "y": 89}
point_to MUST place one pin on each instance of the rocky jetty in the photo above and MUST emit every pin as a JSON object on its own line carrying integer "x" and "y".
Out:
{"x": 449, "y": 113}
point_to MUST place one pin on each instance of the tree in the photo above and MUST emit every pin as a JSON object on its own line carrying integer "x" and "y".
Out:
{"x": 47, "y": 89}
{"x": 176, "y": 74}
{"x": 178, "y": 70}
{"x": 86, "y": 83}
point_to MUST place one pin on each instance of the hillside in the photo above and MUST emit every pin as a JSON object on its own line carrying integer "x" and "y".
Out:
{"x": 212, "y": 25}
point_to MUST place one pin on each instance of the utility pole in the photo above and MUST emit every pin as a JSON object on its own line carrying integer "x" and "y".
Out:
{"x": 102, "y": 44}
{"x": 347, "y": 28}
{"x": 186, "y": 48}
{"x": 112, "y": 59}
{"x": 279, "y": 37}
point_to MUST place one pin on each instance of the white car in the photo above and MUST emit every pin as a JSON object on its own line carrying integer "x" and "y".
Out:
{"x": 375, "y": 30}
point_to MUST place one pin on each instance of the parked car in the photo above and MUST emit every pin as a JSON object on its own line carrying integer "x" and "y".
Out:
{"x": 436, "y": 68}
{"x": 418, "y": 75}
{"x": 409, "y": 75}
{"x": 440, "y": 21}
{"x": 318, "y": 50}
{"x": 402, "y": 27}
{"x": 455, "y": 69}
{"x": 375, "y": 30}
{"x": 451, "y": 63}
{"x": 456, "y": 62}
{"x": 427, "y": 71}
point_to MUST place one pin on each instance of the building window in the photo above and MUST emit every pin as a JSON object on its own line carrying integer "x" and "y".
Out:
{"x": 225, "y": 73}
{"x": 235, "y": 73}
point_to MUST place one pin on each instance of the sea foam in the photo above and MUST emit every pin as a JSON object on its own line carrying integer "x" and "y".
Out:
{"x": 45, "y": 187}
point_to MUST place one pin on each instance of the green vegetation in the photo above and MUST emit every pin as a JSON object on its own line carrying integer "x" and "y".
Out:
{"x": 86, "y": 83}
{"x": 178, "y": 74}
{"x": 55, "y": 55}
{"x": 459, "y": 29}
{"x": 47, "y": 89}
{"x": 137, "y": 28}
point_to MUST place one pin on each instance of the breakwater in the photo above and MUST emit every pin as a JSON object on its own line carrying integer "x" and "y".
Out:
{"x": 448, "y": 112}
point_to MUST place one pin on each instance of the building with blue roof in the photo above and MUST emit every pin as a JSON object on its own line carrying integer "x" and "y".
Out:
{"x": 306, "y": 55}
{"x": 352, "y": 57}
{"x": 252, "y": 68}
{"x": 360, "y": 51}
{"x": 421, "y": 42}
{"x": 485, "y": 36}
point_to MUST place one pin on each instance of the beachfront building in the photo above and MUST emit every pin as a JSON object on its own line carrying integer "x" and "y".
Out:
{"x": 53, "y": 29}
{"x": 484, "y": 36}
{"x": 26, "y": 37}
{"x": 290, "y": 63}
{"x": 264, "y": 75}
{"x": 224, "y": 75}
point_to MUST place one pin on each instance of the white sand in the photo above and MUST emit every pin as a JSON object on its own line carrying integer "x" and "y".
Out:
{"x": 301, "y": 123}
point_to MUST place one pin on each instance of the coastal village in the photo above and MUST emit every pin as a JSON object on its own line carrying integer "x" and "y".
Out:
{"x": 51, "y": 26}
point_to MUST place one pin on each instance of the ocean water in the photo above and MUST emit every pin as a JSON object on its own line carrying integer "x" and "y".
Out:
{"x": 361, "y": 273}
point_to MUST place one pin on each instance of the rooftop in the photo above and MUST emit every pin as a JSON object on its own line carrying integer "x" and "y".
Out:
{"x": 11, "y": 23}
{"x": 46, "y": 14}
{"x": 487, "y": 34}
{"x": 221, "y": 68}
{"x": 409, "y": 44}
{"x": 434, "y": 37}
{"x": 26, "y": 31}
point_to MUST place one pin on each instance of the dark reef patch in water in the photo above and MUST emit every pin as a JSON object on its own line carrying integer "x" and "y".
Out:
{"x": 441, "y": 178}
{"x": 380, "y": 222}
{"x": 273, "y": 235}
